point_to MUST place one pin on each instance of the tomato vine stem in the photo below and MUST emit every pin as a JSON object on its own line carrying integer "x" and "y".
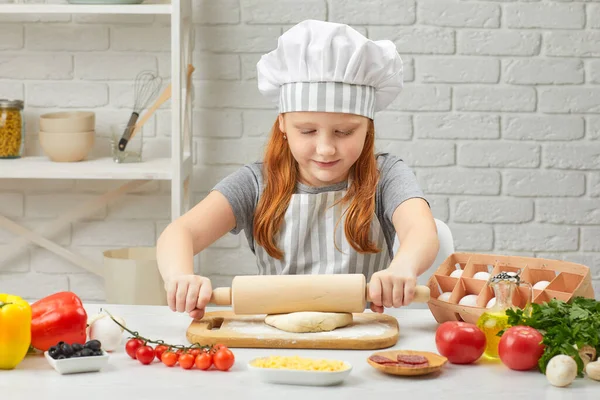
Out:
{"x": 136, "y": 335}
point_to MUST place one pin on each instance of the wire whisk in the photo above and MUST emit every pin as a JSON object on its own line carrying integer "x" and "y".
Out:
{"x": 146, "y": 87}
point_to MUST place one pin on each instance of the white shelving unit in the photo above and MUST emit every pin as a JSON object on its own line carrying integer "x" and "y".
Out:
{"x": 87, "y": 8}
{"x": 177, "y": 169}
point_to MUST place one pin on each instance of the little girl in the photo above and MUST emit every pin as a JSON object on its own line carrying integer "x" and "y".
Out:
{"x": 321, "y": 201}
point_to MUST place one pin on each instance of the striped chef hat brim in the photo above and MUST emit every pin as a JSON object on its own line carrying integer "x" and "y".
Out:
{"x": 328, "y": 97}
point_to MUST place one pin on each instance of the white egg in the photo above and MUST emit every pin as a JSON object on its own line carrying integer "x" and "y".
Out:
{"x": 444, "y": 296}
{"x": 491, "y": 303}
{"x": 484, "y": 276}
{"x": 456, "y": 273}
{"x": 541, "y": 285}
{"x": 469, "y": 300}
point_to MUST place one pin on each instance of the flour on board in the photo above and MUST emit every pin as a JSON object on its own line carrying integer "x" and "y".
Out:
{"x": 358, "y": 328}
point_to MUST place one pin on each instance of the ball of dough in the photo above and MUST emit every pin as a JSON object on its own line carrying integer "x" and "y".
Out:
{"x": 308, "y": 321}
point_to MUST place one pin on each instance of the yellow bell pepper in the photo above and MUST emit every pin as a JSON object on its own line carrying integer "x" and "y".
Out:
{"x": 15, "y": 330}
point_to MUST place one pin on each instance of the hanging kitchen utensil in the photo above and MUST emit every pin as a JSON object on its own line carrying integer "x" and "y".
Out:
{"x": 146, "y": 87}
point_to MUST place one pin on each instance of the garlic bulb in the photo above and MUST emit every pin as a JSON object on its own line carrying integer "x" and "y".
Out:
{"x": 102, "y": 328}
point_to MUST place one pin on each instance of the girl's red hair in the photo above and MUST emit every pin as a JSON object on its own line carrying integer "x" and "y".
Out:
{"x": 280, "y": 171}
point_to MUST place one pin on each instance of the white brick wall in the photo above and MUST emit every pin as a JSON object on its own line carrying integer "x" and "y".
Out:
{"x": 500, "y": 119}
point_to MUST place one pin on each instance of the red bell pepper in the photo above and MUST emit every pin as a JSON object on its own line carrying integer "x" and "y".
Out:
{"x": 58, "y": 317}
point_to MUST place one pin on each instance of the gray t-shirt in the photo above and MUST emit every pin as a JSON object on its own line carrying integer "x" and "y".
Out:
{"x": 397, "y": 183}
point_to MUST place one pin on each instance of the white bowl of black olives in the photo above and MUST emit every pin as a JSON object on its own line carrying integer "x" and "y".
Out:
{"x": 73, "y": 358}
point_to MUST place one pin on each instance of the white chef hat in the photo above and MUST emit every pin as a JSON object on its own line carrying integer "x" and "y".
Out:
{"x": 326, "y": 66}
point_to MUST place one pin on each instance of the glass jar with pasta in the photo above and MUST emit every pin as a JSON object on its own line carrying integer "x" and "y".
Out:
{"x": 12, "y": 128}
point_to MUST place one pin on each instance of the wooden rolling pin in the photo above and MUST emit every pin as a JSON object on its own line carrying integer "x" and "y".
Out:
{"x": 279, "y": 294}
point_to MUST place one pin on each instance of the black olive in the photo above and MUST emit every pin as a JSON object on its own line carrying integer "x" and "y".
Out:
{"x": 87, "y": 353}
{"x": 54, "y": 352}
{"x": 93, "y": 345}
{"x": 61, "y": 357}
{"x": 60, "y": 343}
{"x": 97, "y": 352}
{"x": 77, "y": 347}
{"x": 66, "y": 349}
{"x": 77, "y": 354}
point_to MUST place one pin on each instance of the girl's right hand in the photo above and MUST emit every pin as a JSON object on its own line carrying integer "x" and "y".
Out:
{"x": 188, "y": 293}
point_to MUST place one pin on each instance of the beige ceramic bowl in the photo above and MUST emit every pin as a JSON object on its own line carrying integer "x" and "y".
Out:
{"x": 67, "y": 147}
{"x": 68, "y": 122}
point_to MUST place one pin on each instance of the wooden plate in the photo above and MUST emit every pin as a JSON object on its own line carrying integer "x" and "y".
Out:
{"x": 436, "y": 362}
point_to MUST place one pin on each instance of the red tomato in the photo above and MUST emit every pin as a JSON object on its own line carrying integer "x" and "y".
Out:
{"x": 186, "y": 361}
{"x": 223, "y": 359}
{"x": 460, "y": 342}
{"x": 159, "y": 350}
{"x": 169, "y": 358}
{"x": 218, "y": 347}
{"x": 195, "y": 352}
{"x": 203, "y": 361}
{"x": 520, "y": 348}
{"x": 145, "y": 354}
{"x": 132, "y": 345}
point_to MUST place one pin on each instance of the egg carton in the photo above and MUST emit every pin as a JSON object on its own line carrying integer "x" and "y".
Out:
{"x": 565, "y": 281}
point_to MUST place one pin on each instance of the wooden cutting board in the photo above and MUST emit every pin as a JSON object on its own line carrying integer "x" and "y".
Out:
{"x": 367, "y": 331}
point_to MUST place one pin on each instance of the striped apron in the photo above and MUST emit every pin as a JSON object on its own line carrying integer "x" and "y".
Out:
{"x": 307, "y": 236}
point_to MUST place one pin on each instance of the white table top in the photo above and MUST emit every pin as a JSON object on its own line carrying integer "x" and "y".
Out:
{"x": 124, "y": 378}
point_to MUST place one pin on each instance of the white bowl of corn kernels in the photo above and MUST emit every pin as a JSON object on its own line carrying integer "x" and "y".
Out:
{"x": 294, "y": 370}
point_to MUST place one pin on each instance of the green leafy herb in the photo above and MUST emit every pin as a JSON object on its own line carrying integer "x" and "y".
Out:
{"x": 566, "y": 327}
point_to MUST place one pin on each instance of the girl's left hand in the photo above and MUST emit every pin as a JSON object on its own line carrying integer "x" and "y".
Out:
{"x": 392, "y": 287}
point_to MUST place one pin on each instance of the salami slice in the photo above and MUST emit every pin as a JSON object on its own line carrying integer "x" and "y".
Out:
{"x": 382, "y": 360}
{"x": 405, "y": 365}
{"x": 413, "y": 359}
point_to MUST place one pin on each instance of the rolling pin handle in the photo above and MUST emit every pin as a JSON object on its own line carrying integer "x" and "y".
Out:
{"x": 422, "y": 294}
{"x": 221, "y": 296}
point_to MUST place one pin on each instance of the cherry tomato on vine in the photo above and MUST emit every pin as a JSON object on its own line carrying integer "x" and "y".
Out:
{"x": 159, "y": 350}
{"x": 195, "y": 352}
{"x": 204, "y": 361}
{"x": 145, "y": 354}
{"x": 223, "y": 359}
{"x": 169, "y": 358}
{"x": 186, "y": 361}
{"x": 132, "y": 345}
{"x": 218, "y": 347}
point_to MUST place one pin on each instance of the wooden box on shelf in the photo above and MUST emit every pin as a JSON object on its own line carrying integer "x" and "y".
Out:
{"x": 567, "y": 280}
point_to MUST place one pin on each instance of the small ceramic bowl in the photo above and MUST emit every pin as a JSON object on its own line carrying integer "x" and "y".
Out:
{"x": 67, "y": 147}
{"x": 300, "y": 377}
{"x": 68, "y": 122}
{"x": 78, "y": 364}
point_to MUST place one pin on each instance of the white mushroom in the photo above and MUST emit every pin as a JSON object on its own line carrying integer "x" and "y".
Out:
{"x": 561, "y": 370}
{"x": 587, "y": 354}
{"x": 593, "y": 370}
